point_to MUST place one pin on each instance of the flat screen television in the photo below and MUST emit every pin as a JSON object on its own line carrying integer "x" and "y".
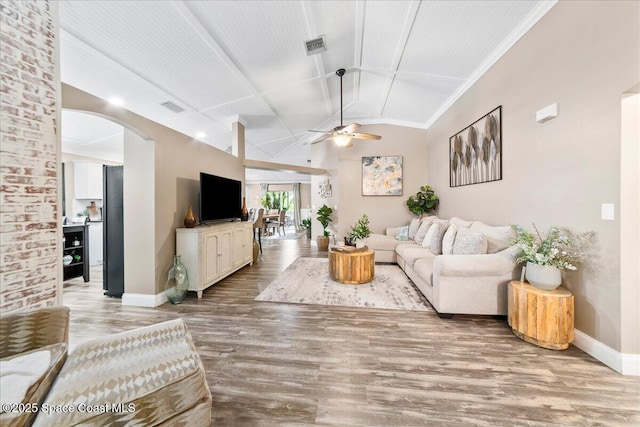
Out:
{"x": 220, "y": 198}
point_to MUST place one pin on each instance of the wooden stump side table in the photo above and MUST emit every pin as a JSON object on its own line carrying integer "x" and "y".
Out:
{"x": 351, "y": 267}
{"x": 543, "y": 318}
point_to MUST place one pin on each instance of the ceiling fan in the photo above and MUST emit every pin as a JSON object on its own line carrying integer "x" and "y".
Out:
{"x": 343, "y": 135}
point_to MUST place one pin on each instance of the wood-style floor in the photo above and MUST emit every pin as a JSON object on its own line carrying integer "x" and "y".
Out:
{"x": 272, "y": 364}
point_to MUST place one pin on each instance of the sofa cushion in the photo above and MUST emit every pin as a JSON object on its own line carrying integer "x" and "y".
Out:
{"x": 469, "y": 243}
{"x": 460, "y": 222}
{"x": 27, "y": 378}
{"x": 145, "y": 376}
{"x": 402, "y": 233}
{"x": 448, "y": 239}
{"x": 413, "y": 227}
{"x": 404, "y": 246}
{"x": 422, "y": 231}
{"x": 410, "y": 255}
{"x": 498, "y": 238}
{"x": 424, "y": 269}
{"x": 436, "y": 237}
{"x": 379, "y": 242}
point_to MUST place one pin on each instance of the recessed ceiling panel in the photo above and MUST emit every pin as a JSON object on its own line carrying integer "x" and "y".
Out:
{"x": 261, "y": 124}
{"x": 193, "y": 124}
{"x": 383, "y": 27}
{"x": 415, "y": 98}
{"x": 88, "y": 70}
{"x": 276, "y": 147}
{"x": 301, "y": 107}
{"x": 154, "y": 39}
{"x": 336, "y": 21}
{"x": 264, "y": 39}
{"x": 454, "y": 38}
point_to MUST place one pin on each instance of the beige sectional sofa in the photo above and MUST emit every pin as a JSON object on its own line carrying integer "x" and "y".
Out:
{"x": 456, "y": 283}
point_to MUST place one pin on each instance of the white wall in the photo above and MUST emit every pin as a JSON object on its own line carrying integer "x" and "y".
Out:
{"x": 582, "y": 55}
{"x": 345, "y": 166}
{"x": 139, "y": 214}
{"x": 630, "y": 225}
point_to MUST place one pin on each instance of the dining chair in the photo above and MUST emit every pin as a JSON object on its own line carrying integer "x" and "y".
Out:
{"x": 258, "y": 224}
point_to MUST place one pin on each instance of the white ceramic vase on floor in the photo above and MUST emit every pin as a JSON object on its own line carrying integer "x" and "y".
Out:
{"x": 543, "y": 276}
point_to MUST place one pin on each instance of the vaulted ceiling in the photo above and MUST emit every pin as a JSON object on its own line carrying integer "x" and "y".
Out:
{"x": 221, "y": 61}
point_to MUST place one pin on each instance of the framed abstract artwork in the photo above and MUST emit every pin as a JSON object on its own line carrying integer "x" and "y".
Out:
{"x": 382, "y": 176}
{"x": 475, "y": 153}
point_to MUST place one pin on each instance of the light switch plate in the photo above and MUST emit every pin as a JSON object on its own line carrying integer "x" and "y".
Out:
{"x": 607, "y": 212}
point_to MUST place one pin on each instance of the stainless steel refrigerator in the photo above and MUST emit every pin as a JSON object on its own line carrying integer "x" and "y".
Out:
{"x": 113, "y": 231}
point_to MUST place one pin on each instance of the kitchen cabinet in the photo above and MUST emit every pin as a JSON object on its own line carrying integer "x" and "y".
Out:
{"x": 211, "y": 253}
{"x": 87, "y": 180}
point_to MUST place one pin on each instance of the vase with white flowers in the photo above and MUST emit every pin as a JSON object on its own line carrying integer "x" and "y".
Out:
{"x": 547, "y": 256}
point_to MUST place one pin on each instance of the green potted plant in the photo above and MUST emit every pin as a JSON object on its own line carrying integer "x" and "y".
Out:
{"x": 306, "y": 224}
{"x": 360, "y": 231}
{"x": 547, "y": 256}
{"x": 324, "y": 217}
{"x": 423, "y": 202}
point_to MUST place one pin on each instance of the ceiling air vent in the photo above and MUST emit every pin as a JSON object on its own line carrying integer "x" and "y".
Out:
{"x": 315, "y": 46}
{"x": 173, "y": 107}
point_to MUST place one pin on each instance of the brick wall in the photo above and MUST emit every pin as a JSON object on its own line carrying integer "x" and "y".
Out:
{"x": 29, "y": 232}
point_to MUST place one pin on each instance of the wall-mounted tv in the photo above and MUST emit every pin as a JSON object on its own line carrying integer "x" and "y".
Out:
{"x": 220, "y": 198}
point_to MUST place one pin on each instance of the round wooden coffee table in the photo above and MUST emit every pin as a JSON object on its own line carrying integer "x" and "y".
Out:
{"x": 351, "y": 266}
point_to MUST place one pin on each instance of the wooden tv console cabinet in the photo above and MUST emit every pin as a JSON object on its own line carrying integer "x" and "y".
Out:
{"x": 212, "y": 252}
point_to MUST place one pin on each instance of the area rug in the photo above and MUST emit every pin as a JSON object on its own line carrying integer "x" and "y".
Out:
{"x": 306, "y": 281}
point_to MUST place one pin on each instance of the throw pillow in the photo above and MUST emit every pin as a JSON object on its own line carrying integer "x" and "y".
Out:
{"x": 498, "y": 238}
{"x": 436, "y": 237}
{"x": 20, "y": 373}
{"x": 469, "y": 243}
{"x": 448, "y": 239}
{"x": 426, "y": 243}
{"x": 422, "y": 231}
{"x": 413, "y": 227}
{"x": 460, "y": 222}
{"x": 402, "y": 233}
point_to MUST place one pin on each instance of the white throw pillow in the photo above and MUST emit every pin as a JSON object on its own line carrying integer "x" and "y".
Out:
{"x": 413, "y": 227}
{"x": 460, "y": 222}
{"x": 19, "y": 373}
{"x": 469, "y": 243}
{"x": 422, "y": 231}
{"x": 498, "y": 238}
{"x": 426, "y": 243}
{"x": 436, "y": 237}
{"x": 449, "y": 239}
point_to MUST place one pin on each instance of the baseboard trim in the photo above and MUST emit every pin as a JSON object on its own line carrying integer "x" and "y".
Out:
{"x": 626, "y": 364}
{"x": 144, "y": 300}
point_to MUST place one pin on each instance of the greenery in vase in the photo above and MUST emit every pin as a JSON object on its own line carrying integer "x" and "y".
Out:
{"x": 361, "y": 230}
{"x": 423, "y": 202}
{"x": 560, "y": 248}
{"x": 324, "y": 217}
{"x": 306, "y": 223}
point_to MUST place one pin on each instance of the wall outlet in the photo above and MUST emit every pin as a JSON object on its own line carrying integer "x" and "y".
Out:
{"x": 607, "y": 212}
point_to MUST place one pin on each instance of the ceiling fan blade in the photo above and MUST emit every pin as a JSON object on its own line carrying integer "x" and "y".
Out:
{"x": 319, "y": 131}
{"x": 365, "y": 136}
{"x": 320, "y": 140}
{"x": 351, "y": 128}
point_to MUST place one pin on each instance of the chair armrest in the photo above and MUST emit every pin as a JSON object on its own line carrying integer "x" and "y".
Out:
{"x": 33, "y": 328}
{"x": 473, "y": 265}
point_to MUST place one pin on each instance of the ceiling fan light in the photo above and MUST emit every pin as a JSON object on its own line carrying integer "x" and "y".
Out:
{"x": 343, "y": 140}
